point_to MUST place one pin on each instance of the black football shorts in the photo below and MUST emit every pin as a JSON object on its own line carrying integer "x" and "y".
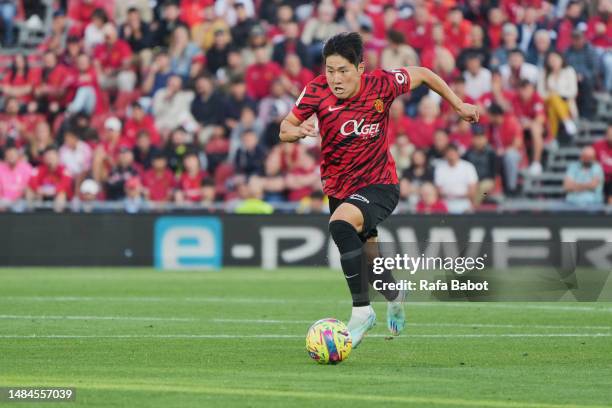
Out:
{"x": 376, "y": 202}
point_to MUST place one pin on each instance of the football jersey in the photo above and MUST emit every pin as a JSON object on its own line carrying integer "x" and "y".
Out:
{"x": 354, "y": 138}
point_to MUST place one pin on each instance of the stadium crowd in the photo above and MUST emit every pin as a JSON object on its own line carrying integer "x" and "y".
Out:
{"x": 181, "y": 103}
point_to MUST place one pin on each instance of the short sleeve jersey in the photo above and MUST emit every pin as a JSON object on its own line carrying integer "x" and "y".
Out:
{"x": 354, "y": 137}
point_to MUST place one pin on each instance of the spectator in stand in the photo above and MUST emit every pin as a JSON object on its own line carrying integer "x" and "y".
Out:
{"x": 316, "y": 203}
{"x": 157, "y": 76}
{"x": 250, "y": 157}
{"x": 437, "y": 151}
{"x": 253, "y": 200}
{"x": 144, "y": 150}
{"x": 158, "y": 182}
{"x": 227, "y": 9}
{"x": 517, "y": 70}
{"x": 603, "y": 151}
{"x": 483, "y": 157}
{"x": 272, "y": 110}
{"x": 275, "y": 170}
{"x": 207, "y": 105}
{"x": 171, "y": 106}
{"x": 529, "y": 108}
{"x": 495, "y": 27}
{"x": 527, "y": 28}
{"x": 8, "y": 10}
{"x": 51, "y": 93}
{"x": 506, "y": 136}
{"x": 417, "y": 29}
{"x": 217, "y": 55}
{"x": 11, "y": 123}
{"x": 439, "y": 57}
{"x": 541, "y": 47}
{"x": 20, "y": 80}
{"x": 113, "y": 62}
{"x": 94, "y": 32}
{"x": 558, "y": 85}
{"x": 478, "y": 47}
{"x": 170, "y": 20}
{"x": 123, "y": 171}
{"x": 216, "y": 148}
{"x": 132, "y": 197}
{"x": 397, "y": 53}
{"x": 430, "y": 201}
{"x": 84, "y": 86}
{"x": 425, "y": 124}
{"x": 318, "y": 29}
{"x": 509, "y": 43}
{"x": 15, "y": 173}
{"x": 124, "y": 8}
{"x": 190, "y": 188}
{"x": 50, "y": 181}
{"x": 582, "y": 57}
{"x": 261, "y": 74}
{"x": 244, "y": 25}
{"x": 584, "y": 180}
{"x": 74, "y": 48}
{"x": 599, "y": 33}
{"x": 39, "y": 143}
{"x": 295, "y": 76}
{"x": 457, "y": 31}
{"x": 248, "y": 122}
{"x": 137, "y": 35}
{"x": 237, "y": 100}
{"x": 565, "y": 27}
{"x": 185, "y": 56}
{"x": 419, "y": 172}
{"x": 461, "y": 135}
{"x": 457, "y": 181}
{"x": 303, "y": 179}
{"x": 107, "y": 151}
{"x": 477, "y": 78}
{"x": 399, "y": 123}
{"x": 235, "y": 68}
{"x": 88, "y": 194}
{"x": 291, "y": 44}
{"x": 76, "y": 156}
{"x": 137, "y": 121}
{"x": 177, "y": 147}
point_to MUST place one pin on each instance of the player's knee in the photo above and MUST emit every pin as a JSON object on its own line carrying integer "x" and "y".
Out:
{"x": 341, "y": 231}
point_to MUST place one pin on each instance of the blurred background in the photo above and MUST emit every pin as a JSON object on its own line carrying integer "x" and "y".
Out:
{"x": 143, "y": 105}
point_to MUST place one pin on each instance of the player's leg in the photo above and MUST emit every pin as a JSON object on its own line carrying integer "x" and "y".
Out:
{"x": 396, "y": 317}
{"x": 345, "y": 225}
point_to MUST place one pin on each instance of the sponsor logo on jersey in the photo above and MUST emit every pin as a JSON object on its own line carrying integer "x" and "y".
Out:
{"x": 359, "y": 197}
{"x": 360, "y": 128}
{"x": 379, "y": 105}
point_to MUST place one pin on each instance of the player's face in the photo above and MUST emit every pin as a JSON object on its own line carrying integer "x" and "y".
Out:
{"x": 343, "y": 77}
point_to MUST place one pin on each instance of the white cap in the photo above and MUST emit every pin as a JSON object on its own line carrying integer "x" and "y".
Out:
{"x": 112, "y": 123}
{"x": 90, "y": 186}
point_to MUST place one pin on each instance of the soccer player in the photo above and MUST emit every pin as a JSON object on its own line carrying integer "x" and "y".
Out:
{"x": 357, "y": 170}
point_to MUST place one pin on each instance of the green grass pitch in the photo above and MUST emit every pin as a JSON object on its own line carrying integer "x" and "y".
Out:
{"x": 143, "y": 338}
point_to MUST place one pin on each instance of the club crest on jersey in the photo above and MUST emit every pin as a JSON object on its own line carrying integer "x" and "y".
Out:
{"x": 379, "y": 105}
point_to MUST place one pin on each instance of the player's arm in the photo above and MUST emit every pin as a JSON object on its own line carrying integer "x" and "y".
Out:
{"x": 421, "y": 75}
{"x": 293, "y": 129}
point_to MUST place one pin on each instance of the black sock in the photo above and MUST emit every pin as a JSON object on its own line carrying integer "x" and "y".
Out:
{"x": 351, "y": 257}
{"x": 373, "y": 251}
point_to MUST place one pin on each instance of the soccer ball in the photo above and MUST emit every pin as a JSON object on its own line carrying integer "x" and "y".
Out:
{"x": 328, "y": 341}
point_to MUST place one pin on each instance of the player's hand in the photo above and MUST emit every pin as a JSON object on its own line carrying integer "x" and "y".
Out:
{"x": 469, "y": 113}
{"x": 308, "y": 129}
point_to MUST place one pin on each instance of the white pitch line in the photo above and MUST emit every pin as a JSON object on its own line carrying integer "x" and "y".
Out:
{"x": 466, "y": 325}
{"x": 276, "y": 321}
{"x": 286, "y": 336}
{"x": 128, "y": 318}
{"x": 205, "y": 299}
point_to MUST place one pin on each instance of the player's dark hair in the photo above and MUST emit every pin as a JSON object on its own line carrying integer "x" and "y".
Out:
{"x": 346, "y": 45}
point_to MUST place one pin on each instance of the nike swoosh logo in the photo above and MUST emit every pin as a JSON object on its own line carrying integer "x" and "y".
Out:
{"x": 352, "y": 276}
{"x": 335, "y": 108}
